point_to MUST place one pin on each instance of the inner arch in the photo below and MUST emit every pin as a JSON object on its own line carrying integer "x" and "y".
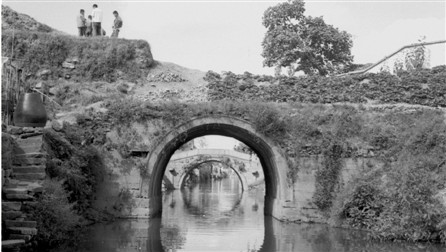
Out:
{"x": 273, "y": 162}
{"x": 241, "y": 178}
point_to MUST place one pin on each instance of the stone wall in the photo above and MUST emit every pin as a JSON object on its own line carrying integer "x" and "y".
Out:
{"x": 7, "y": 147}
{"x": 23, "y": 171}
{"x": 300, "y": 205}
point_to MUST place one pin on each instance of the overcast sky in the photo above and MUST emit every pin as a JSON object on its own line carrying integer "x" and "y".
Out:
{"x": 227, "y": 35}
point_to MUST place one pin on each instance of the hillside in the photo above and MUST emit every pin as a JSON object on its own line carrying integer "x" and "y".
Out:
{"x": 18, "y": 21}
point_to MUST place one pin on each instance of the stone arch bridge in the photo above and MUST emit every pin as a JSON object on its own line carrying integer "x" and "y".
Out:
{"x": 247, "y": 167}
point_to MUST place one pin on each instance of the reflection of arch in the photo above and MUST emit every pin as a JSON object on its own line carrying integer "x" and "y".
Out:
{"x": 269, "y": 240}
{"x": 273, "y": 162}
{"x": 194, "y": 210}
{"x": 187, "y": 169}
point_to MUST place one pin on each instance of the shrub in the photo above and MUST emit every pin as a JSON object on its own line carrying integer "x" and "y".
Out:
{"x": 397, "y": 201}
{"x": 57, "y": 221}
{"x": 78, "y": 164}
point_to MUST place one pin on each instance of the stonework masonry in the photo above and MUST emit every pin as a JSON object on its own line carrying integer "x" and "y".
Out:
{"x": 23, "y": 172}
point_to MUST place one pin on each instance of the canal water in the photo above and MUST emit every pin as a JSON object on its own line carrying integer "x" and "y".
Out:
{"x": 218, "y": 216}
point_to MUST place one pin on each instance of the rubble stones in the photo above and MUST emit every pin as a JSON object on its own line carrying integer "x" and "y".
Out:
{"x": 199, "y": 94}
{"x": 165, "y": 77}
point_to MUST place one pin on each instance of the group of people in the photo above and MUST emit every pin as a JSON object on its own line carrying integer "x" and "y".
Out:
{"x": 91, "y": 26}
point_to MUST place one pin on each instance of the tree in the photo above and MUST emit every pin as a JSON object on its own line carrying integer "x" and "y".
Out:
{"x": 303, "y": 43}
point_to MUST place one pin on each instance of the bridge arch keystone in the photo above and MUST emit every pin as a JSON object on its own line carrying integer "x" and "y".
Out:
{"x": 273, "y": 161}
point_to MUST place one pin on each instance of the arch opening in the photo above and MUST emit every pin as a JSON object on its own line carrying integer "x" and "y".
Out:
{"x": 241, "y": 178}
{"x": 273, "y": 163}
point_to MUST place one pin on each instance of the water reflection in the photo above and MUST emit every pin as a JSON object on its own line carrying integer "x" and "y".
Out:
{"x": 218, "y": 217}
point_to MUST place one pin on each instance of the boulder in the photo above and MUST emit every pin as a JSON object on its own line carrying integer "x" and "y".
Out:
{"x": 43, "y": 72}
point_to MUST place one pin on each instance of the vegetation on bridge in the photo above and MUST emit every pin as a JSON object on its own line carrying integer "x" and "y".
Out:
{"x": 424, "y": 87}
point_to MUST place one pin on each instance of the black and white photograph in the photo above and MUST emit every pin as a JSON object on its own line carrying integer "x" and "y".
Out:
{"x": 223, "y": 126}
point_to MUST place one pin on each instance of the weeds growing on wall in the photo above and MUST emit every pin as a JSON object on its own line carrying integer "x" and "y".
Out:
{"x": 57, "y": 220}
{"x": 328, "y": 176}
{"x": 74, "y": 168}
{"x": 398, "y": 200}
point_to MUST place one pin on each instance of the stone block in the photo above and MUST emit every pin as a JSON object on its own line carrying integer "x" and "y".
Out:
{"x": 31, "y": 155}
{"x": 7, "y": 173}
{"x": 11, "y": 215}
{"x": 11, "y": 206}
{"x": 16, "y": 196}
{"x": 28, "y": 169}
{"x": 30, "y": 144}
{"x": 30, "y": 176}
{"x": 20, "y": 237}
{"x": 9, "y": 244}
{"x": 24, "y": 161}
{"x": 13, "y": 223}
{"x": 23, "y": 230}
{"x": 14, "y": 130}
{"x": 17, "y": 190}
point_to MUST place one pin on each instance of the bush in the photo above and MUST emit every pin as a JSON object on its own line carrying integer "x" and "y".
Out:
{"x": 75, "y": 162}
{"x": 397, "y": 201}
{"x": 57, "y": 221}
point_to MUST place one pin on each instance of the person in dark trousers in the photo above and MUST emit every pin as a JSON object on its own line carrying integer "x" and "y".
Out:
{"x": 96, "y": 15}
{"x": 81, "y": 23}
{"x": 117, "y": 24}
{"x": 89, "y": 24}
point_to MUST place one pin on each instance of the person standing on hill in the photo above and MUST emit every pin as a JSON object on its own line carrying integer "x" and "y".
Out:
{"x": 96, "y": 14}
{"x": 89, "y": 24}
{"x": 81, "y": 26}
{"x": 117, "y": 24}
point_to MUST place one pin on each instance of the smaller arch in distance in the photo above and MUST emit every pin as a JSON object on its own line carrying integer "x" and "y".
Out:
{"x": 242, "y": 178}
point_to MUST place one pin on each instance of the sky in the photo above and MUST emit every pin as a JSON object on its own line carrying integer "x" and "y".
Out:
{"x": 226, "y": 35}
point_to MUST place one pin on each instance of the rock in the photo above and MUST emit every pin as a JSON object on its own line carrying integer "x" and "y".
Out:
{"x": 11, "y": 206}
{"x": 123, "y": 88}
{"x": 56, "y": 125}
{"x": 39, "y": 85}
{"x": 53, "y": 90}
{"x": 69, "y": 65}
{"x": 364, "y": 81}
{"x": 74, "y": 60}
{"x": 43, "y": 73}
{"x": 13, "y": 130}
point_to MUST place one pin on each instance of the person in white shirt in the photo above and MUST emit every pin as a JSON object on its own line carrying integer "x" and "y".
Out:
{"x": 96, "y": 14}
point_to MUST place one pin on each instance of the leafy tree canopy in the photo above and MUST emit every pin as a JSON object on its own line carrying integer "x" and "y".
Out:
{"x": 303, "y": 43}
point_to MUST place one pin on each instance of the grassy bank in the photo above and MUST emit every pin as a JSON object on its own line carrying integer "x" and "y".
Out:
{"x": 92, "y": 58}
